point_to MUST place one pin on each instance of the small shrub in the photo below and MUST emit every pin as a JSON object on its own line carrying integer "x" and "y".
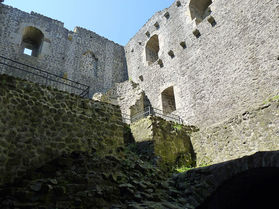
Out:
{"x": 177, "y": 127}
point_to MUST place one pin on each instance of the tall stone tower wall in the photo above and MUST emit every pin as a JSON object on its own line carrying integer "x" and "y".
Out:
{"x": 212, "y": 65}
{"x": 80, "y": 55}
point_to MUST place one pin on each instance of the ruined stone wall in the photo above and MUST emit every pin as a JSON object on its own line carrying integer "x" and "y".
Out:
{"x": 80, "y": 55}
{"x": 256, "y": 129}
{"x": 164, "y": 143}
{"x": 216, "y": 71}
{"x": 38, "y": 124}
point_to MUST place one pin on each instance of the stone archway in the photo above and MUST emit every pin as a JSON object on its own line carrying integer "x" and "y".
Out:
{"x": 204, "y": 187}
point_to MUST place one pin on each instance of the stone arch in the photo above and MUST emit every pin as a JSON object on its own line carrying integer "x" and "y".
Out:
{"x": 89, "y": 63}
{"x": 152, "y": 49}
{"x": 199, "y": 9}
{"x": 32, "y": 41}
{"x": 168, "y": 100}
{"x": 220, "y": 177}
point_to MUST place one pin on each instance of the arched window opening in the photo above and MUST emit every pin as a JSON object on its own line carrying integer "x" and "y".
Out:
{"x": 199, "y": 9}
{"x": 32, "y": 41}
{"x": 89, "y": 64}
{"x": 168, "y": 100}
{"x": 152, "y": 49}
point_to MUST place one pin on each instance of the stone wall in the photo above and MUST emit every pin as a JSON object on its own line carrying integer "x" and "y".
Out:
{"x": 38, "y": 124}
{"x": 256, "y": 129}
{"x": 217, "y": 67}
{"x": 129, "y": 96}
{"x": 79, "y": 55}
{"x": 164, "y": 142}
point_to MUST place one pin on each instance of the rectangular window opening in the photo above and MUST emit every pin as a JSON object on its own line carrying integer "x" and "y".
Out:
{"x": 27, "y": 51}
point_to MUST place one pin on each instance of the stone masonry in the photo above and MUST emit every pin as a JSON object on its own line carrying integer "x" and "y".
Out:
{"x": 79, "y": 55}
{"x": 217, "y": 67}
{"x": 38, "y": 124}
{"x": 204, "y": 60}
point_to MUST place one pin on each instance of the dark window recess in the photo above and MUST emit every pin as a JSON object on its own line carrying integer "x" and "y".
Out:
{"x": 211, "y": 20}
{"x": 157, "y": 26}
{"x": 141, "y": 77}
{"x": 178, "y": 3}
{"x": 147, "y": 34}
{"x": 160, "y": 63}
{"x": 167, "y": 15}
{"x": 197, "y": 33}
{"x": 183, "y": 44}
{"x": 171, "y": 54}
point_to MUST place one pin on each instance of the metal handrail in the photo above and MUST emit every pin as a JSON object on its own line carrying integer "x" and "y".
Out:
{"x": 48, "y": 76}
{"x": 155, "y": 112}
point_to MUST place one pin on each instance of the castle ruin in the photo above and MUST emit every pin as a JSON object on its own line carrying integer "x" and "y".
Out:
{"x": 212, "y": 63}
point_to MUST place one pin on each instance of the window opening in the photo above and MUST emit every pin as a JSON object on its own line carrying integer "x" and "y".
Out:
{"x": 32, "y": 41}
{"x": 171, "y": 54}
{"x": 178, "y": 3}
{"x": 167, "y": 15}
{"x": 199, "y": 9}
{"x": 168, "y": 100}
{"x": 157, "y": 26}
{"x": 27, "y": 51}
{"x": 183, "y": 44}
{"x": 152, "y": 49}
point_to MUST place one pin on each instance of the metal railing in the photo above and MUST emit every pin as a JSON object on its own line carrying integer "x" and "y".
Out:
{"x": 24, "y": 71}
{"x": 151, "y": 111}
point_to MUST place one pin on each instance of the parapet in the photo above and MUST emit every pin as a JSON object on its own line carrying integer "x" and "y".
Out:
{"x": 57, "y": 22}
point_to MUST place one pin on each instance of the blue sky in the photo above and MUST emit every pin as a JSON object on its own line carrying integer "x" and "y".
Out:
{"x": 117, "y": 20}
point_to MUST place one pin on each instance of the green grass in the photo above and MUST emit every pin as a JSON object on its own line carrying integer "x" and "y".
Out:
{"x": 184, "y": 168}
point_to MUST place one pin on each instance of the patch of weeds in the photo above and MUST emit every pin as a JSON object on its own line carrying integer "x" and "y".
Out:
{"x": 272, "y": 99}
{"x": 185, "y": 168}
{"x": 177, "y": 127}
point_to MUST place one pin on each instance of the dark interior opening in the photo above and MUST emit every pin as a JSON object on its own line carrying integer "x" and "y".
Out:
{"x": 253, "y": 189}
